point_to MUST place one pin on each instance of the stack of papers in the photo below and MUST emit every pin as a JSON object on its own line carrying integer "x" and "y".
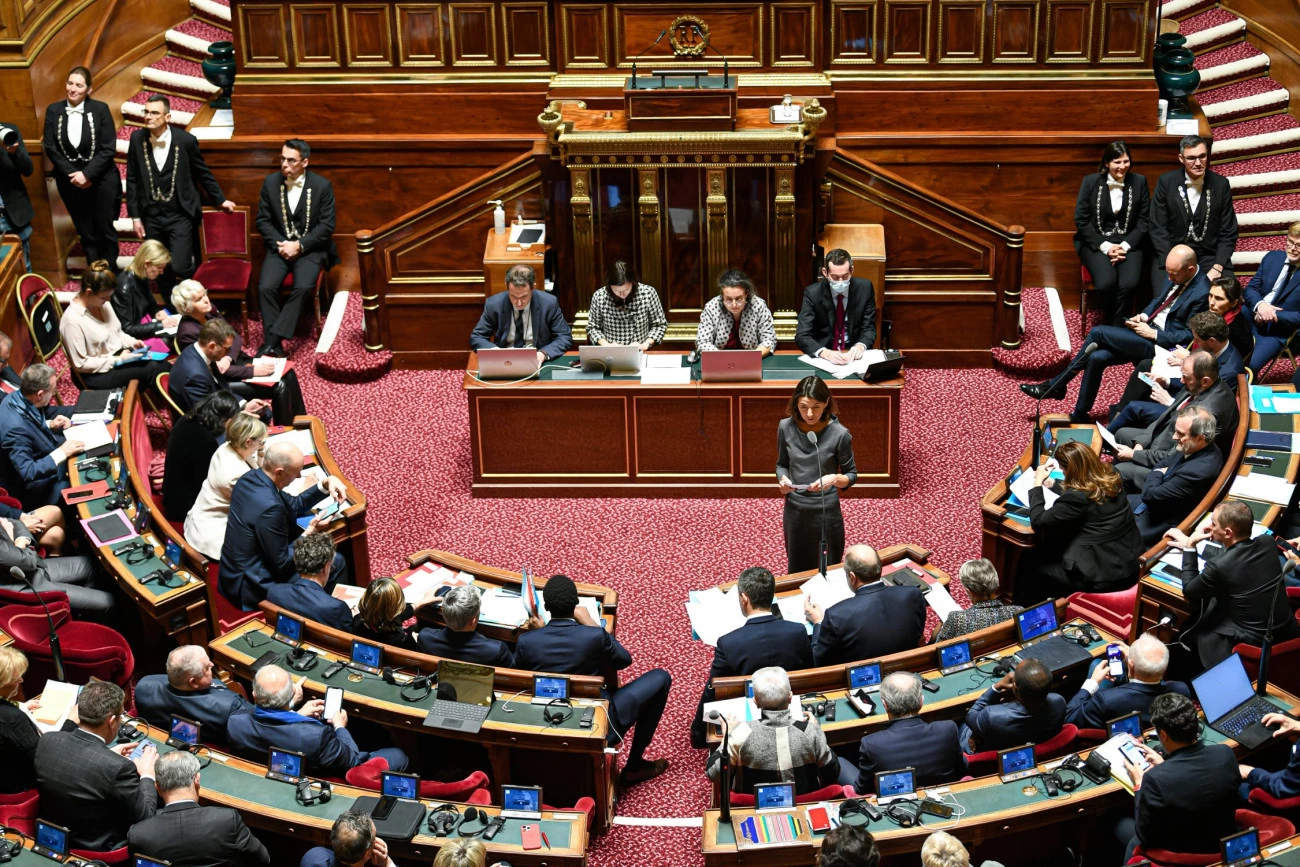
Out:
{"x": 349, "y": 594}
{"x": 418, "y": 583}
{"x": 301, "y": 437}
{"x": 502, "y": 607}
{"x": 1262, "y": 488}
{"x": 310, "y": 476}
{"x": 92, "y": 435}
{"x": 664, "y": 370}
{"x": 825, "y": 592}
{"x": 714, "y": 613}
{"x": 1023, "y": 483}
{"x": 843, "y": 371}
{"x": 57, "y": 700}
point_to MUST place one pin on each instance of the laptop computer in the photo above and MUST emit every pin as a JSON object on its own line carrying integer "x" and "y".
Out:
{"x": 51, "y": 841}
{"x": 774, "y": 796}
{"x": 1017, "y": 763}
{"x": 610, "y": 359}
{"x": 521, "y": 802}
{"x": 1241, "y": 850}
{"x": 507, "y": 363}
{"x": 464, "y": 696}
{"x": 1230, "y": 704}
{"x": 895, "y": 785}
{"x": 955, "y": 657}
{"x": 1040, "y": 637}
{"x": 731, "y": 365}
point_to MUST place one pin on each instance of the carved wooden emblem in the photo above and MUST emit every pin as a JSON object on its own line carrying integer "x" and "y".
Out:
{"x": 688, "y": 35}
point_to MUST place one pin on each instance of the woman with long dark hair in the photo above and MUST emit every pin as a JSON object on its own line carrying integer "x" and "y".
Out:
{"x": 1111, "y": 217}
{"x": 625, "y": 311}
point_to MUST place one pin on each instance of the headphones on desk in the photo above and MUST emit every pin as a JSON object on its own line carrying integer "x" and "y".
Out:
{"x": 1083, "y": 634}
{"x": 442, "y": 819}
{"x": 300, "y": 659}
{"x": 557, "y": 711}
{"x": 303, "y": 794}
{"x": 473, "y": 814}
{"x": 10, "y": 849}
{"x": 423, "y": 683}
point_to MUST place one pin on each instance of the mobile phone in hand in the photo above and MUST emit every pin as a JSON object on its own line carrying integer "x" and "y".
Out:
{"x": 333, "y": 703}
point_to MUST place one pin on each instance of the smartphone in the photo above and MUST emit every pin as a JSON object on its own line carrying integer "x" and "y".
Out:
{"x": 1148, "y": 379}
{"x": 1115, "y": 659}
{"x": 138, "y": 751}
{"x": 1134, "y": 754}
{"x": 936, "y": 808}
{"x": 333, "y": 703}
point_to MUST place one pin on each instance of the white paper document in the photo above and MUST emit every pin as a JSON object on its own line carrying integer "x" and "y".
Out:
{"x": 671, "y": 362}
{"x": 57, "y": 700}
{"x": 1265, "y": 489}
{"x": 274, "y": 376}
{"x": 92, "y": 434}
{"x": 588, "y": 603}
{"x": 791, "y": 608}
{"x": 941, "y": 601}
{"x": 223, "y": 117}
{"x": 666, "y": 376}
{"x": 208, "y": 133}
{"x": 843, "y": 371}
{"x": 1286, "y": 403}
{"x": 1107, "y": 436}
{"x": 825, "y": 592}
{"x": 503, "y": 608}
{"x": 1025, "y": 482}
{"x": 714, "y": 613}
{"x": 301, "y": 437}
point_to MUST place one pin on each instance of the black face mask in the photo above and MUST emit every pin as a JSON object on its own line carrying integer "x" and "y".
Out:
{"x": 622, "y": 302}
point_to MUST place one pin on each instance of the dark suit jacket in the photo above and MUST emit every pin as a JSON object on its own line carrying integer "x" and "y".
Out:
{"x": 1287, "y": 299}
{"x": 308, "y": 599}
{"x": 568, "y": 647}
{"x": 1088, "y": 545}
{"x": 1168, "y": 497}
{"x": 1280, "y": 784}
{"x": 1134, "y": 212}
{"x": 879, "y": 619}
{"x": 1169, "y": 219}
{"x": 190, "y": 447}
{"x": 211, "y": 707}
{"x": 1194, "y": 298}
{"x": 1158, "y": 440}
{"x": 187, "y": 332}
{"x": 18, "y": 739}
{"x": 817, "y": 316}
{"x": 13, "y": 168}
{"x": 193, "y": 378}
{"x": 30, "y": 474}
{"x": 133, "y": 301}
{"x": 1240, "y": 586}
{"x": 551, "y": 333}
{"x": 315, "y": 228}
{"x": 330, "y": 752}
{"x": 465, "y": 646}
{"x": 911, "y": 742}
{"x": 101, "y": 162}
{"x": 999, "y": 726}
{"x": 1188, "y": 802}
{"x": 262, "y": 526}
{"x": 193, "y": 174}
{"x": 1092, "y": 710}
{"x": 187, "y": 835}
{"x": 91, "y": 790}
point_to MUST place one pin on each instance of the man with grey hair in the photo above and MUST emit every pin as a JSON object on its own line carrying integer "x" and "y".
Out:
{"x": 877, "y": 620}
{"x": 327, "y": 744}
{"x": 183, "y": 834}
{"x": 262, "y": 526}
{"x": 522, "y": 317}
{"x": 776, "y": 748}
{"x": 1145, "y": 662}
{"x": 189, "y": 690}
{"x": 460, "y": 639}
{"x": 1177, "y": 484}
{"x": 980, "y": 579}
{"x": 305, "y": 594}
{"x": 906, "y": 741}
{"x": 353, "y": 843}
{"x": 35, "y": 451}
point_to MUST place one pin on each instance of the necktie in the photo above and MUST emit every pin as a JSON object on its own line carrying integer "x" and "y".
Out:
{"x": 839, "y": 323}
{"x": 519, "y": 328}
{"x": 1169, "y": 299}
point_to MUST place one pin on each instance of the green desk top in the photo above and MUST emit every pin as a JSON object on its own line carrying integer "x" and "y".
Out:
{"x": 775, "y": 367}
{"x": 519, "y": 712}
{"x": 144, "y": 567}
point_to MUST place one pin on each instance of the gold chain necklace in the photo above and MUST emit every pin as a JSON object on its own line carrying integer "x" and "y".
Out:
{"x": 154, "y": 193}
{"x": 85, "y": 121}
{"x": 290, "y": 229}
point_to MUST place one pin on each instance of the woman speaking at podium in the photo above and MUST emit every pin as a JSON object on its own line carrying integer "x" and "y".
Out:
{"x": 814, "y": 462}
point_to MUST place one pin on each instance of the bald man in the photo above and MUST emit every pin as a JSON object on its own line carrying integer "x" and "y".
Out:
{"x": 878, "y": 619}
{"x": 263, "y": 525}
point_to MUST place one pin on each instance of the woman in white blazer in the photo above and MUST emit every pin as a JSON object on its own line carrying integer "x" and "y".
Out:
{"x": 205, "y": 525}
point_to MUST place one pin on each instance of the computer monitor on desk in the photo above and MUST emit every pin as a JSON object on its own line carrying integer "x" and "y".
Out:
{"x": 731, "y": 365}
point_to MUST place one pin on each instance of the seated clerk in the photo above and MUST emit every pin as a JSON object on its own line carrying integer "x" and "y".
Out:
{"x": 572, "y": 644}
{"x": 1187, "y": 802}
{"x": 776, "y": 748}
{"x": 189, "y": 689}
{"x": 195, "y": 374}
{"x": 305, "y": 594}
{"x": 981, "y": 582}
{"x": 879, "y": 619}
{"x": 355, "y": 843}
{"x": 1018, "y": 709}
{"x": 736, "y": 318}
{"x": 459, "y": 639}
{"x": 262, "y": 524}
{"x": 1141, "y": 448}
{"x": 35, "y": 451}
{"x": 184, "y": 834}
{"x": 906, "y": 741}
{"x": 327, "y": 744}
{"x": 382, "y": 611}
{"x": 1145, "y": 661}
{"x": 1273, "y": 294}
{"x": 521, "y": 317}
{"x": 764, "y": 640}
{"x": 1173, "y": 488}
{"x": 837, "y": 320}
{"x": 1280, "y": 784}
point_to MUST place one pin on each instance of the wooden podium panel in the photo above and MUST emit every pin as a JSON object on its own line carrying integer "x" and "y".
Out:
{"x": 498, "y": 259}
{"x": 680, "y": 106}
{"x": 658, "y": 453}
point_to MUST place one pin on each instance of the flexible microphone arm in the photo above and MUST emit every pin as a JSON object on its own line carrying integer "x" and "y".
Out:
{"x": 724, "y": 812}
{"x": 821, "y": 495}
{"x": 726, "y": 65}
{"x": 56, "y": 652}
{"x": 1266, "y": 648}
{"x": 658, "y": 39}
{"x": 1038, "y": 405}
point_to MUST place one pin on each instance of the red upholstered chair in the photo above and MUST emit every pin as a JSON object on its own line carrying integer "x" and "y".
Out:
{"x": 161, "y": 382}
{"x": 29, "y": 599}
{"x": 584, "y": 805}
{"x": 827, "y": 793}
{"x": 1113, "y": 612}
{"x": 1093, "y": 736}
{"x": 224, "y": 613}
{"x": 89, "y": 649}
{"x": 227, "y": 259}
{"x": 366, "y": 776}
{"x": 117, "y": 856}
{"x": 1271, "y": 830}
{"x": 1289, "y": 807}
{"x": 983, "y": 763}
{"x": 1283, "y": 667}
{"x": 19, "y": 811}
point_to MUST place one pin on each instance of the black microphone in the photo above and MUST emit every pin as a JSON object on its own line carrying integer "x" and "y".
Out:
{"x": 726, "y": 66}
{"x": 821, "y": 495}
{"x": 724, "y": 779}
{"x": 658, "y": 39}
{"x": 1266, "y": 648}
{"x": 56, "y": 652}
{"x": 1038, "y": 405}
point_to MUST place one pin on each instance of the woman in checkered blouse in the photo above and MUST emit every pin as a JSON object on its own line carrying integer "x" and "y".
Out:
{"x": 625, "y": 312}
{"x": 736, "y": 318}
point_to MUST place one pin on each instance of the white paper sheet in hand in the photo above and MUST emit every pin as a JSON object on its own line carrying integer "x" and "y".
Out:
{"x": 941, "y": 601}
{"x": 791, "y": 608}
{"x": 57, "y": 699}
{"x": 276, "y": 374}
{"x": 301, "y": 437}
{"x": 1107, "y": 436}
{"x": 713, "y": 614}
{"x": 92, "y": 434}
{"x": 825, "y": 592}
{"x": 1266, "y": 489}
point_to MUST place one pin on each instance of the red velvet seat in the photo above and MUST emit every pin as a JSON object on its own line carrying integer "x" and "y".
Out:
{"x": 1271, "y": 830}
{"x": 19, "y": 811}
{"x": 1283, "y": 667}
{"x": 1094, "y": 736}
{"x": 29, "y": 599}
{"x": 1113, "y": 612}
{"x": 366, "y": 776}
{"x": 117, "y": 856}
{"x": 227, "y": 259}
{"x": 225, "y": 614}
{"x": 584, "y": 805}
{"x": 89, "y": 649}
{"x": 983, "y": 763}
{"x": 826, "y": 793}
{"x": 1286, "y": 806}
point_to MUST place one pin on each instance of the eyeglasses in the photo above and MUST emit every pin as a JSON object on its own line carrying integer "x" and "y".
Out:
{"x": 1203, "y": 158}
{"x": 734, "y": 302}
{"x": 1293, "y": 243}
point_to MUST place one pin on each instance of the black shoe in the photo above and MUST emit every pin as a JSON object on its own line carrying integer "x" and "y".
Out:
{"x": 1080, "y": 418}
{"x": 1038, "y": 390}
{"x": 276, "y": 351}
{"x": 264, "y": 349}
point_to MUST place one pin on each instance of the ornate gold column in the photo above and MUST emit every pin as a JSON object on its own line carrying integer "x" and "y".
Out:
{"x": 652, "y": 272}
{"x": 783, "y": 289}
{"x": 715, "y": 226}
{"x": 584, "y": 242}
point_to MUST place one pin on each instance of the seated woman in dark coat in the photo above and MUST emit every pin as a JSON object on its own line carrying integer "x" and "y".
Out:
{"x": 193, "y": 440}
{"x": 380, "y": 615}
{"x": 1088, "y": 540}
{"x": 18, "y": 733}
{"x": 133, "y": 302}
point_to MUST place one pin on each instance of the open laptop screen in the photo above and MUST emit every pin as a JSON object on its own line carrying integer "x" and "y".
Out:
{"x": 1036, "y": 621}
{"x": 1222, "y": 688}
{"x": 465, "y": 682}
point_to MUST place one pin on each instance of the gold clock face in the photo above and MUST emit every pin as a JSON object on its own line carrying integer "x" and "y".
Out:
{"x": 688, "y": 35}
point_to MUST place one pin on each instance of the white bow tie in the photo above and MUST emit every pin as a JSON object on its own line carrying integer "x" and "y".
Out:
{"x": 1115, "y": 185}
{"x": 77, "y": 109}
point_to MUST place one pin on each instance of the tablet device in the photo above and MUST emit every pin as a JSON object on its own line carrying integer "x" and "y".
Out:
{"x": 146, "y": 861}
{"x": 1128, "y": 724}
{"x": 893, "y": 785}
{"x": 774, "y": 796}
{"x": 1241, "y": 849}
{"x": 547, "y": 688}
{"x": 366, "y": 656}
{"x": 955, "y": 657}
{"x": 284, "y": 765}
{"x": 521, "y": 802}
{"x": 1017, "y": 763}
{"x": 865, "y": 677}
{"x": 289, "y": 629}
{"x": 1037, "y": 621}
{"x": 183, "y": 732}
{"x": 392, "y": 788}
{"x": 51, "y": 840}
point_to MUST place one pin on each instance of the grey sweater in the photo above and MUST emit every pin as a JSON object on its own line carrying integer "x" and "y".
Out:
{"x": 796, "y": 457}
{"x": 774, "y": 749}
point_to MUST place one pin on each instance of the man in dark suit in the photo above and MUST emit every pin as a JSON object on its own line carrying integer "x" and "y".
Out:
{"x": 263, "y": 524}
{"x": 1141, "y": 404}
{"x": 1018, "y": 709}
{"x": 165, "y": 176}
{"x": 573, "y": 644}
{"x": 295, "y": 217}
{"x": 90, "y": 593}
{"x": 88, "y": 786}
{"x": 837, "y": 320}
{"x": 36, "y": 453}
{"x": 906, "y": 741}
{"x": 1176, "y": 485}
{"x": 183, "y": 834}
{"x": 15, "y": 207}
{"x": 353, "y": 843}
{"x": 81, "y": 142}
{"x": 1280, "y": 784}
{"x": 188, "y": 689}
{"x": 522, "y": 317}
{"x": 1187, "y": 802}
{"x": 766, "y": 639}
{"x": 1142, "y": 448}
{"x": 1238, "y": 589}
{"x": 1146, "y": 660}
{"x": 1193, "y": 206}
{"x": 7, "y": 373}
{"x": 195, "y": 375}
{"x": 460, "y": 638}
{"x": 1163, "y": 323}
{"x": 305, "y": 593}
{"x": 1273, "y": 293}
{"x": 878, "y": 620}
{"x": 327, "y": 744}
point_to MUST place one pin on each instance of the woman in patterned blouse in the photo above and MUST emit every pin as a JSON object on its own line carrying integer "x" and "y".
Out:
{"x": 625, "y": 312}
{"x": 736, "y": 318}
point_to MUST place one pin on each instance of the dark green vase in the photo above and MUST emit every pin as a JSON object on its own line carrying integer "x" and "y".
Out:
{"x": 219, "y": 69}
{"x": 1178, "y": 79}
{"x": 1164, "y": 43}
